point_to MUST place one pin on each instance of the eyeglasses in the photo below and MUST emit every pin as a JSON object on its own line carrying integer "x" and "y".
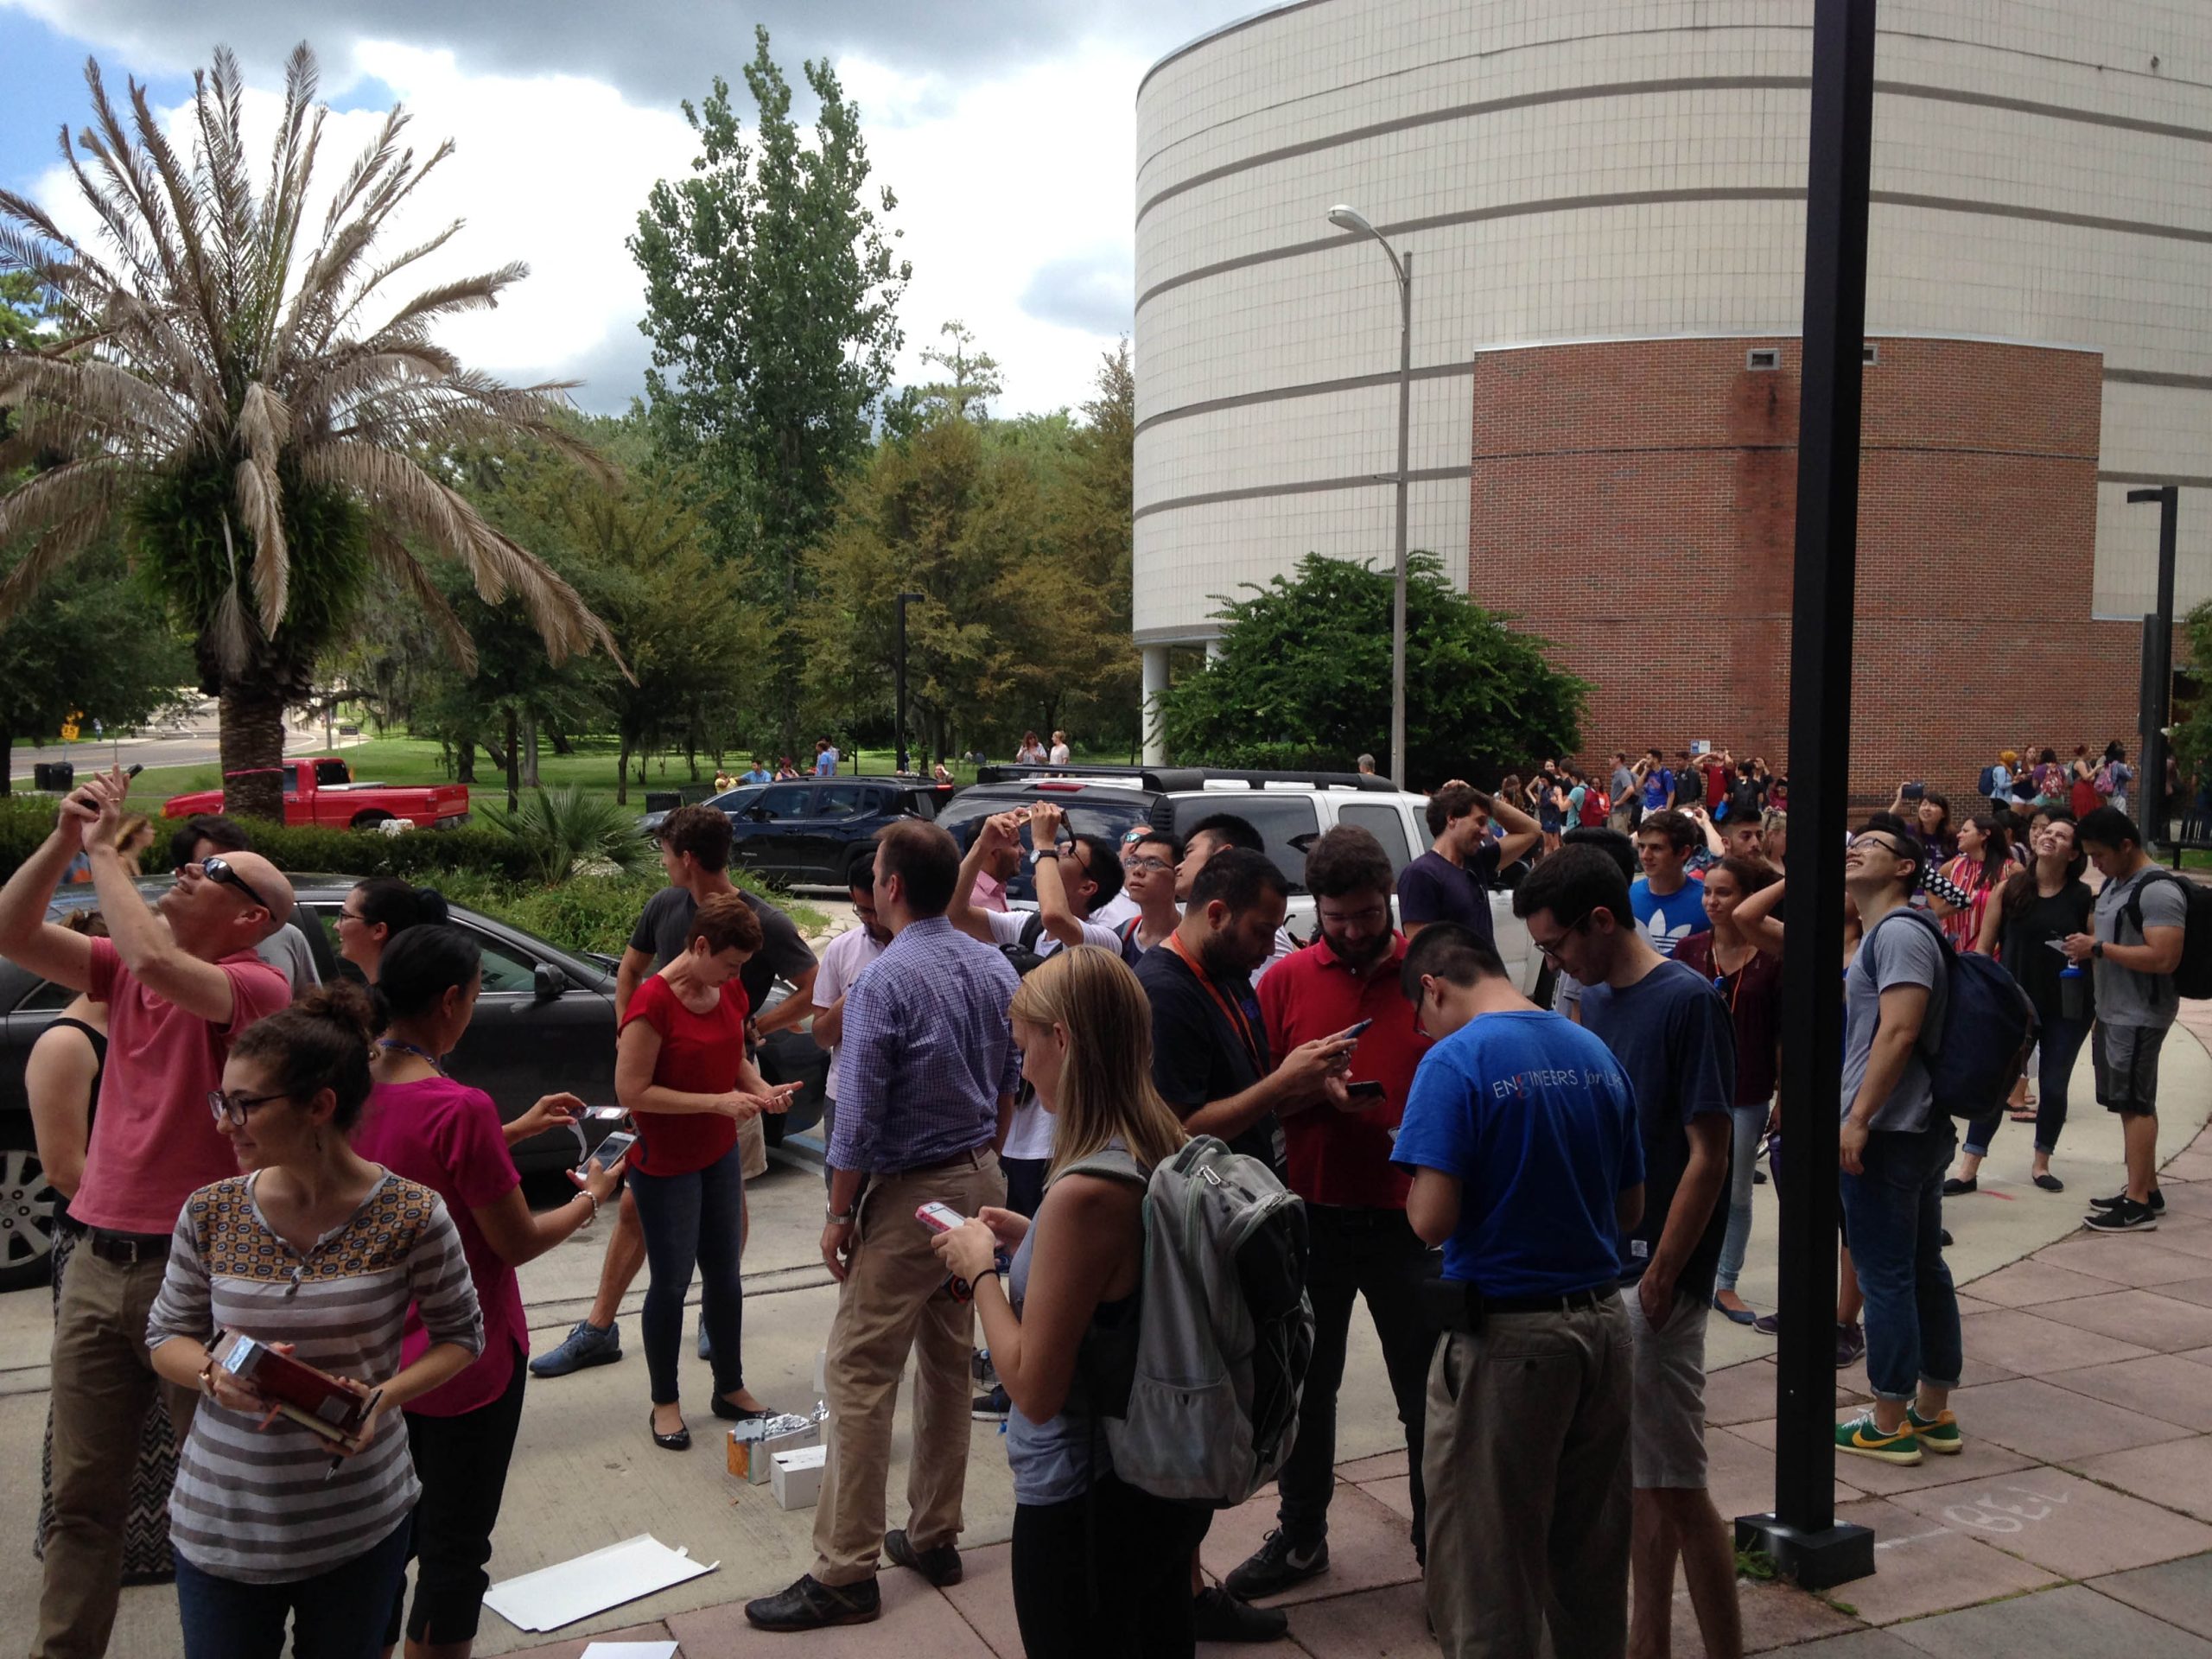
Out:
{"x": 217, "y": 870}
{"x": 1889, "y": 846}
{"x": 1145, "y": 866}
{"x": 232, "y": 1109}
{"x": 1549, "y": 951}
{"x": 1366, "y": 916}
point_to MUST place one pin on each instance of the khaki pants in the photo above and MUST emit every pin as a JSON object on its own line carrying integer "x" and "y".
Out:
{"x": 1527, "y": 1467}
{"x": 752, "y": 1142}
{"x": 892, "y": 1303}
{"x": 103, "y": 1382}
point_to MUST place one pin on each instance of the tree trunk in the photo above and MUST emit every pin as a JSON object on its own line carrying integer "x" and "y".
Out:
{"x": 529, "y": 753}
{"x": 464, "y": 765}
{"x": 7, "y": 760}
{"x": 251, "y": 725}
{"x": 559, "y": 739}
{"x": 494, "y": 754}
{"x": 514, "y": 763}
{"x": 622, "y": 774}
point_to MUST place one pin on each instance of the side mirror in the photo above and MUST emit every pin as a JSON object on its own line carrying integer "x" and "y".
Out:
{"x": 549, "y": 981}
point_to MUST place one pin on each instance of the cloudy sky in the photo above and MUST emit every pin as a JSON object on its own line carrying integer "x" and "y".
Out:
{"x": 1005, "y": 128}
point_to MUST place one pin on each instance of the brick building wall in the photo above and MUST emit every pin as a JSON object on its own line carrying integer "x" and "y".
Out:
{"x": 1634, "y": 501}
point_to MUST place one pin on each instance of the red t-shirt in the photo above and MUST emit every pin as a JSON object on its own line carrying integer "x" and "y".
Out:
{"x": 153, "y": 1141}
{"x": 1336, "y": 1157}
{"x": 446, "y": 1135}
{"x": 1716, "y": 785}
{"x": 700, "y": 1054}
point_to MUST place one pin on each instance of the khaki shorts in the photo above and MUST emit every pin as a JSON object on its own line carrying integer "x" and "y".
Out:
{"x": 1666, "y": 1431}
{"x": 752, "y": 1142}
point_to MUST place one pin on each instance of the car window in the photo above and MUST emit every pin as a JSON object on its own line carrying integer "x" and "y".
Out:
{"x": 1386, "y": 823}
{"x": 843, "y": 801}
{"x": 505, "y": 969}
{"x": 327, "y": 773}
{"x": 785, "y": 806}
{"x": 1286, "y": 823}
{"x": 737, "y": 800}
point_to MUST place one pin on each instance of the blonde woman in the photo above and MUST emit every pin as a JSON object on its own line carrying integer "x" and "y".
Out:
{"x": 1099, "y": 1567}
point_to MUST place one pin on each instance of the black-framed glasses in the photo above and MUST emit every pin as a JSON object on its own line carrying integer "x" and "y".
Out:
{"x": 1550, "y": 951}
{"x": 1147, "y": 864}
{"x": 1875, "y": 840}
{"x": 232, "y": 1109}
{"x": 218, "y": 869}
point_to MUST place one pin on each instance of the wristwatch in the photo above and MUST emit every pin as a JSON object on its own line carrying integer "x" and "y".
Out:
{"x": 2097, "y": 950}
{"x": 836, "y": 1220}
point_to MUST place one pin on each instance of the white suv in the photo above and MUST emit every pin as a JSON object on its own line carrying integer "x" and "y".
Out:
{"x": 1291, "y": 810}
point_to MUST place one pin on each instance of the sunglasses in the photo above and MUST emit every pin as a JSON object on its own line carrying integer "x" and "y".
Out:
{"x": 218, "y": 869}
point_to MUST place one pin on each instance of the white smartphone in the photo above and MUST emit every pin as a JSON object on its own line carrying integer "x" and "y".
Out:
{"x": 613, "y": 1147}
{"x": 939, "y": 1218}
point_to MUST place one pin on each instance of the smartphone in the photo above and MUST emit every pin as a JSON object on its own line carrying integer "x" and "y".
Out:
{"x": 133, "y": 769}
{"x": 311, "y": 1398}
{"x": 611, "y": 1149}
{"x": 2058, "y": 946}
{"x": 939, "y": 1218}
{"x": 1353, "y": 1031}
{"x": 1914, "y": 792}
{"x": 1366, "y": 1090}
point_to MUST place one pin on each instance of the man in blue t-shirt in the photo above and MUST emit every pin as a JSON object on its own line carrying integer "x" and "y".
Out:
{"x": 1668, "y": 906}
{"x": 1671, "y": 1032}
{"x": 1520, "y": 1134}
{"x": 1657, "y": 779}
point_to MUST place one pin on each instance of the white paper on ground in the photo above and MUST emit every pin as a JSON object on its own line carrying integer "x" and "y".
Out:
{"x": 558, "y": 1595}
{"x": 631, "y": 1650}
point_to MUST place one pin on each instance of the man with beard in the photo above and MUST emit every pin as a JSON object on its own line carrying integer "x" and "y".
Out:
{"x": 1355, "y": 1197}
{"x": 1209, "y": 1061}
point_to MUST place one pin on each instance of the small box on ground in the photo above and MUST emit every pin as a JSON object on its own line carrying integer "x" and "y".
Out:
{"x": 752, "y": 1443}
{"x": 796, "y": 1480}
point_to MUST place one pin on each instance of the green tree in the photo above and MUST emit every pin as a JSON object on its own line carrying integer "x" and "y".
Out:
{"x": 1304, "y": 679}
{"x": 23, "y": 313}
{"x": 771, "y": 300}
{"x": 216, "y": 388}
{"x": 1089, "y": 496}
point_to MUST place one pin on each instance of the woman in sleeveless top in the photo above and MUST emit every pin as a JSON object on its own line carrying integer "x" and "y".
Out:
{"x": 62, "y": 1081}
{"x": 1100, "y": 1568}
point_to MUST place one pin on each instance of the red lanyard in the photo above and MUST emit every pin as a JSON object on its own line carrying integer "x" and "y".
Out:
{"x": 1228, "y": 1005}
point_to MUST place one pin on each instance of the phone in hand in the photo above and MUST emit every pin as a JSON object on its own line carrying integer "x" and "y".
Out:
{"x": 610, "y": 1150}
{"x": 1913, "y": 791}
{"x": 939, "y": 1218}
{"x": 1351, "y": 1031}
{"x": 1367, "y": 1089}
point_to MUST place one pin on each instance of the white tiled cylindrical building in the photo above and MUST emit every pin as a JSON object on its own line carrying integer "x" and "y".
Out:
{"x": 1616, "y": 171}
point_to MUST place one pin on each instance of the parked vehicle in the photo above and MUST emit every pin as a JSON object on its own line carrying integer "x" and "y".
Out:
{"x": 1289, "y": 809}
{"x": 544, "y": 1023}
{"x": 815, "y": 832}
{"x": 321, "y": 789}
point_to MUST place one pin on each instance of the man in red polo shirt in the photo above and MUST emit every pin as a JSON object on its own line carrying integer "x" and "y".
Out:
{"x": 1355, "y": 1197}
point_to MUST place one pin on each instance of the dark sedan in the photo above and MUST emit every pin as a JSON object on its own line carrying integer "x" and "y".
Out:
{"x": 544, "y": 1023}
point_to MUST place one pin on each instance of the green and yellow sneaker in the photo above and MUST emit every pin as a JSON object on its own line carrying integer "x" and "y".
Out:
{"x": 1859, "y": 1437}
{"x": 1937, "y": 1434}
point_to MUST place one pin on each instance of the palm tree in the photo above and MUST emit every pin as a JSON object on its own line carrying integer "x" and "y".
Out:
{"x": 212, "y": 384}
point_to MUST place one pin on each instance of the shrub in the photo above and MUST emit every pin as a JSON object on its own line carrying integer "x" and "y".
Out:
{"x": 567, "y": 833}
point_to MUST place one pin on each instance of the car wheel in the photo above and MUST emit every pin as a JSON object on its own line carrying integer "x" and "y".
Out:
{"x": 27, "y": 1211}
{"x": 369, "y": 820}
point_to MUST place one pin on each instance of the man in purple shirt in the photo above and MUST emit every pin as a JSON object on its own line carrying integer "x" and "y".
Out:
{"x": 926, "y": 1074}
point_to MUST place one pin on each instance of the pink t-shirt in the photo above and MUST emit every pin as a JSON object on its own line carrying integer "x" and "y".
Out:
{"x": 153, "y": 1141}
{"x": 447, "y": 1136}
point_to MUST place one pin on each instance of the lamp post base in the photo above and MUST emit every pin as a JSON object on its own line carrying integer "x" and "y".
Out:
{"x": 1815, "y": 1561}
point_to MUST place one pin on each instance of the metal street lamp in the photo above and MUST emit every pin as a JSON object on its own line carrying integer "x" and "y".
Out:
{"x": 904, "y": 601}
{"x": 2158, "y": 667}
{"x": 1401, "y": 267}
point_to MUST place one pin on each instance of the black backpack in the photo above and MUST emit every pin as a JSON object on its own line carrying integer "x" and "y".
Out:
{"x": 1023, "y": 952}
{"x": 1989, "y": 1026}
{"x": 2192, "y": 975}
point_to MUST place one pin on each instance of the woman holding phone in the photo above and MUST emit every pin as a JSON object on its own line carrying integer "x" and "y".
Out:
{"x": 680, "y": 1071}
{"x": 1100, "y": 1568}
{"x": 426, "y": 1127}
{"x": 318, "y": 1253}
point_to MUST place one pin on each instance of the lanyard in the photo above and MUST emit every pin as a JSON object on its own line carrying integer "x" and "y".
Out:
{"x": 1228, "y": 1005}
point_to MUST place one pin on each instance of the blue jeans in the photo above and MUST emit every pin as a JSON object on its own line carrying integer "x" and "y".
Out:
{"x": 337, "y": 1614}
{"x": 693, "y": 1220}
{"x": 1751, "y": 1127}
{"x": 1895, "y": 1209}
{"x": 2060, "y": 1044}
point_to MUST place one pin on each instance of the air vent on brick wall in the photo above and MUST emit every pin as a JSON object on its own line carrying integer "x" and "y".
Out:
{"x": 1763, "y": 357}
{"x": 1870, "y": 353}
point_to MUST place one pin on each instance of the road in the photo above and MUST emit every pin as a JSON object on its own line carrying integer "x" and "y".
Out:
{"x": 196, "y": 745}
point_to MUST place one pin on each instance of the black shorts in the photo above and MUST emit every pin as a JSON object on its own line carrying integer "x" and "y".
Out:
{"x": 2126, "y": 1062}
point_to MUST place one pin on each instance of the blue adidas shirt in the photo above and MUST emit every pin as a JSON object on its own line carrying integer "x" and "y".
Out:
{"x": 1667, "y": 920}
{"x": 1536, "y": 1120}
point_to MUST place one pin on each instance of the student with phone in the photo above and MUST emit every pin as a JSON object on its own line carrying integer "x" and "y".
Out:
{"x": 426, "y": 1127}
{"x": 318, "y": 1252}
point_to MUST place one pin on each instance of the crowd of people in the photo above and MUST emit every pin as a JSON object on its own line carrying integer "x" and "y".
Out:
{"x": 1540, "y": 1205}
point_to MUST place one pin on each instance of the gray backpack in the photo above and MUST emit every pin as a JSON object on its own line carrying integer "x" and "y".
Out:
{"x": 1225, "y": 1330}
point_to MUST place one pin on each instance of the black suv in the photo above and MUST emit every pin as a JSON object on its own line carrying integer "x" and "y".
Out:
{"x": 817, "y": 831}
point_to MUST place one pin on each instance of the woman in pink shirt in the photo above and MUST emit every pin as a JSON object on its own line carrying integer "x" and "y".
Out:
{"x": 424, "y": 1126}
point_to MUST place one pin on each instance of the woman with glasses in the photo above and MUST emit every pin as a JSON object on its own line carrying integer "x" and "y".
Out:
{"x": 319, "y": 1253}
{"x": 379, "y": 911}
{"x": 426, "y": 1126}
{"x": 1750, "y": 982}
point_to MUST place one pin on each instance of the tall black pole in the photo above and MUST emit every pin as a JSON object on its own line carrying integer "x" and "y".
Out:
{"x": 2159, "y": 670}
{"x": 1800, "y": 1533}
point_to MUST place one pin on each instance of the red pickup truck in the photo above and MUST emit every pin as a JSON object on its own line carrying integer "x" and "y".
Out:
{"x": 321, "y": 791}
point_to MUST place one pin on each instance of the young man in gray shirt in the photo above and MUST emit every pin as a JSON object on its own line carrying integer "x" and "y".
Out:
{"x": 2141, "y": 916}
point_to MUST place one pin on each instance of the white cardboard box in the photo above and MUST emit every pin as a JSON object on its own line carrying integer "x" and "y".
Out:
{"x": 797, "y": 1481}
{"x": 749, "y": 1455}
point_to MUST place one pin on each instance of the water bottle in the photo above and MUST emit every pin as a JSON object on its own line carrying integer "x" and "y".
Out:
{"x": 2073, "y": 992}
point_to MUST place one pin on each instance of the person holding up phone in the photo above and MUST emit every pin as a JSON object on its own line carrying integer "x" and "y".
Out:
{"x": 317, "y": 1252}
{"x": 426, "y": 1127}
{"x": 1345, "y": 986}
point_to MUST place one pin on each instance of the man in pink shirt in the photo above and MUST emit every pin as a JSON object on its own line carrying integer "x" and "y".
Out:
{"x": 177, "y": 994}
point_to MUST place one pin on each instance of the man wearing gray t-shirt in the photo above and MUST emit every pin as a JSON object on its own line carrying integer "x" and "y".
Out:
{"x": 2141, "y": 916}
{"x": 1895, "y": 1144}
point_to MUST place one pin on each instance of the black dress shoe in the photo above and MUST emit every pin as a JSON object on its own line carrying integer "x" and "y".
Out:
{"x": 1216, "y": 1615}
{"x": 734, "y": 1413}
{"x": 679, "y": 1441}
{"x": 810, "y": 1605}
{"x": 940, "y": 1565}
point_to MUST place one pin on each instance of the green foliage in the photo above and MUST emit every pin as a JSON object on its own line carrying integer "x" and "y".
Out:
{"x": 1304, "y": 680}
{"x": 2192, "y": 735}
{"x": 569, "y": 833}
{"x": 22, "y": 313}
{"x": 591, "y": 913}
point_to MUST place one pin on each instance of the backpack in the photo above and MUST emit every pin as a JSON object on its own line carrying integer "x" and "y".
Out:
{"x": 1597, "y": 805}
{"x": 1126, "y": 933}
{"x": 1023, "y": 952}
{"x": 1989, "y": 1026}
{"x": 1986, "y": 787}
{"x": 1225, "y": 1330}
{"x": 2192, "y": 975}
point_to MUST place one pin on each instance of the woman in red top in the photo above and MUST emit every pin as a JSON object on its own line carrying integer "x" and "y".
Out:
{"x": 1960, "y": 899}
{"x": 680, "y": 1068}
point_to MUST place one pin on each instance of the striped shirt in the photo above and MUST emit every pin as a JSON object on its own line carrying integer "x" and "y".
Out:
{"x": 252, "y": 1504}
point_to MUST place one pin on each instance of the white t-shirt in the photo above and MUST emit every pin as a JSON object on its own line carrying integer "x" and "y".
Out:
{"x": 1116, "y": 909}
{"x": 1032, "y": 1134}
{"x": 1284, "y": 945}
{"x": 1058, "y": 757}
{"x": 842, "y": 958}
